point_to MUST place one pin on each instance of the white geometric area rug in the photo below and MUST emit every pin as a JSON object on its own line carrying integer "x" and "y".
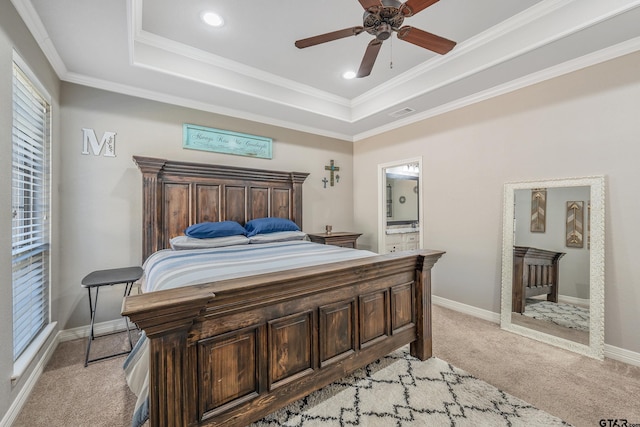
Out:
{"x": 567, "y": 315}
{"x": 400, "y": 390}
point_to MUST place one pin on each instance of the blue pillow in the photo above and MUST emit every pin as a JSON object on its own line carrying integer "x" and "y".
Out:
{"x": 209, "y": 230}
{"x": 269, "y": 225}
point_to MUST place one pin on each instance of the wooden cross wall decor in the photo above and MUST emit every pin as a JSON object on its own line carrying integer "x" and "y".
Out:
{"x": 332, "y": 168}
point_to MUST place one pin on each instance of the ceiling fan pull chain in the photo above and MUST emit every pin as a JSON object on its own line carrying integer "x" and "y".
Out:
{"x": 391, "y": 54}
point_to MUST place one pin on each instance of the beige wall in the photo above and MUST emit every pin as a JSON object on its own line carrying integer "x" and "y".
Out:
{"x": 585, "y": 123}
{"x": 14, "y": 35}
{"x": 101, "y": 196}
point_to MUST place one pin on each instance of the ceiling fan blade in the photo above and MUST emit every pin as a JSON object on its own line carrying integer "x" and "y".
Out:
{"x": 366, "y": 4}
{"x": 323, "y": 38}
{"x": 369, "y": 58}
{"x": 411, "y": 7}
{"x": 426, "y": 40}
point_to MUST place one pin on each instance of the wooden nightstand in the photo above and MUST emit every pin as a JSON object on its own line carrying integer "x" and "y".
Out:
{"x": 337, "y": 238}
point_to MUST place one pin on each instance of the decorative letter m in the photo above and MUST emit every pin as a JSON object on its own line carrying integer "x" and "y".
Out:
{"x": 108, "y": 141}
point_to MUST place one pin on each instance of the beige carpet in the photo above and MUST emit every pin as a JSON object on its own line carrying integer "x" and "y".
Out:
{"x": 68, "y": 394}
{"x": 574, "y": 388}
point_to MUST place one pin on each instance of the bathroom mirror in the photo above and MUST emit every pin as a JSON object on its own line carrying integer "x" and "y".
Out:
{"x": 553, "y": 262}
{"x": 402, "y": 197}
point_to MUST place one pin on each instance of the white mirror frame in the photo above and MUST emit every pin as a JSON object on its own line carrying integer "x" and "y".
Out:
{"x": 595, "y": 348}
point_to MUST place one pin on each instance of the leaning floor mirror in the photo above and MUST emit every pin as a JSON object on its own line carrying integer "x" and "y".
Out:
{"x": 553, "y": 262}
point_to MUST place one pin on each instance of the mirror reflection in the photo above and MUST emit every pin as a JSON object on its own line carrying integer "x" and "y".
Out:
{"x": 400, "y": 215}
{"x": 553, "y": 262}
{"x": 402, "y": 195}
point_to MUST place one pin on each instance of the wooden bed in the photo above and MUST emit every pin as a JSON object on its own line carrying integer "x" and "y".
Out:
{"x": 535, "y": 272}
{"x": 231, "y": 352}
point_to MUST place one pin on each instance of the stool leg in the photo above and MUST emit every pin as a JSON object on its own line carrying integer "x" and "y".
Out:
{"x": 92, "y": 307}
{"x": 127, "y": 291}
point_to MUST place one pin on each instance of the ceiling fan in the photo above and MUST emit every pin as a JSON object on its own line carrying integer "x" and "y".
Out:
{"x": 381, "y": 18}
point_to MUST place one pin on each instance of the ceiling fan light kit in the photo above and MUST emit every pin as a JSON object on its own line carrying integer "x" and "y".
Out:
{"x": 381, "y": 18}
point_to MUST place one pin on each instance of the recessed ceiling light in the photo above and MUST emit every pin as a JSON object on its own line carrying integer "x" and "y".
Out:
{"x": 213, "y": 19}
{"x": 348, "y": 75}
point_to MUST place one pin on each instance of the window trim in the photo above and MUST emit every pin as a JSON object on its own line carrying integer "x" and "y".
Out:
{"x": 24, "y": 361}
{"x": 17, "y": 59}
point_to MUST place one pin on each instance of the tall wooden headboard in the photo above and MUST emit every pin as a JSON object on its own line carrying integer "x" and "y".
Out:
{"x": 178, "y": 194}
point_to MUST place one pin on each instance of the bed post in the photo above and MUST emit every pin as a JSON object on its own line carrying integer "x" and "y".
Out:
{"x": 297, "y": 179}
{"x": 168, "y": 365}
{"x": 150, "y": 169}
{"x": 166, "y": 319}
{"x": 422, "y": 346}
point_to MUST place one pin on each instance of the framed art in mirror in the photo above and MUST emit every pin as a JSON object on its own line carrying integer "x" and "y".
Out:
{"x": 570, "y": 215}
{"x": 575, "y": 227}
{"x": 538, "y": 210}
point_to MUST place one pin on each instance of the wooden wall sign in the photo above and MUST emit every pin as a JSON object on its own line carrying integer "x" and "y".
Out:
{"x": 225, "y": 142}
{"x": 538, "y": 210}
{"x": 575, "y": 224}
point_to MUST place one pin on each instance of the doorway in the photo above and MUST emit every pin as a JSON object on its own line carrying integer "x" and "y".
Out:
{"x": 400, "y": 210}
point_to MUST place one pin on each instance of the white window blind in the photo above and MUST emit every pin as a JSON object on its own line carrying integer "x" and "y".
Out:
{"x": 30, "y": 211}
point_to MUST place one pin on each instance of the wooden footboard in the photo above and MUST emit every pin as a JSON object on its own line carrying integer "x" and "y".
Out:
{"x": 231, "y": 352}
{"x": 535, "y": 272}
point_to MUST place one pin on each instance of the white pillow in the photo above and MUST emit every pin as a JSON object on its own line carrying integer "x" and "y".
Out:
{"x": 186, "y": 242}
{"x": 278, "y": 236}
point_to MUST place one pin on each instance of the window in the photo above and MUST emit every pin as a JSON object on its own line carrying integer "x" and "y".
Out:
{"x": 30, "y": 210}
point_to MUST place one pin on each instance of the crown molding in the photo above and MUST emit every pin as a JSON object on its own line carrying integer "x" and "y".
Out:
{"x": 33, "y": 22}
{"x": 177, "y": 48}
{"x": 190, "y": 52}
{"x": 490, "y": 48}
{"x": 283, "y": 92}
{"x": 594, "y": 58}
{"x": 151, "y": 95}
{"x": 497, "y": 31}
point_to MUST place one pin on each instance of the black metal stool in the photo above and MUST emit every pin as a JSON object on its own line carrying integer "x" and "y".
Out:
{"x": 99, "y": 278}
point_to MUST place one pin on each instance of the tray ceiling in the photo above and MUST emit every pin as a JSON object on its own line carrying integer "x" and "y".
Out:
{"x": 250, "y": 68}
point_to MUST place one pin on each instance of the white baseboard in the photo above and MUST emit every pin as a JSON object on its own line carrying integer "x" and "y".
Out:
{"x": 102, "y": 328}
{"x": 622, "y": 355}
{"x": 466, "y": 309}
{"x": 612, "y": 352}
{"x": 29, "y": 383}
